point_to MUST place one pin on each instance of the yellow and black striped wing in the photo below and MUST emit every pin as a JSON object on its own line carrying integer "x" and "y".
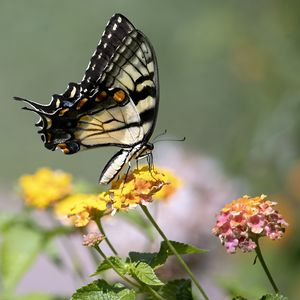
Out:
{"x": 116, "y": 102}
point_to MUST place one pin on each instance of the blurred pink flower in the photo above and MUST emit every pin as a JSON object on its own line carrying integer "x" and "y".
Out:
{"x": 244, "y": 220}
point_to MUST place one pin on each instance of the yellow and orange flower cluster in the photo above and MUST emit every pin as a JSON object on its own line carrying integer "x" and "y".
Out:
{"x": 80, "y": 209}
{"x": 142, "y": 186}
{"x": 53, "y": 189}
{"x": 244, "y": 220}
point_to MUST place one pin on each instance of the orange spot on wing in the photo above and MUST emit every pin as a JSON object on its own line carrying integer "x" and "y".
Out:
{"x": 63, "y": 111}
{"x": 101, "y": 96}
{"x": 81, "y": 103}
{"x": 119, "y": 96}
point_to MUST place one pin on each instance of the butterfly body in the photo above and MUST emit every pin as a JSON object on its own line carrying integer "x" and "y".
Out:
{"x": 115, "y": 104}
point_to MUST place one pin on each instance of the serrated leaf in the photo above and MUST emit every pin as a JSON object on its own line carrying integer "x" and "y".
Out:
{"x": 273, "y": 297}
{"x": 107, "y": 264}
{"x": 180, "y": 289}
{"x": 19, "y": 248}
{"x": 126, "y": 295}
{"x": 154, "y": 259}
{"x": 101, "y": 290}
{"x": 146, "y": 257}
{"x": 145, "y": 273}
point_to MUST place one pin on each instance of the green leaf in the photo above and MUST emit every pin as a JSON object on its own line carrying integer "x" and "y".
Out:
{"x": 146, "y": 257}
{"x": 155, "y": 260}
{"x": 239, "y": 298}
{"x": 273, "y": 297}
{"x": 145, "y": 273}
{"x": 6, "y": 218}
{"x": 101, "y": 290}
{"x": 181, "y": 248}
{"x": 117, "y": 262}
{"x": 19, "y": 248}
{"x": 165, "y": 252}
{"x": 180, "y": 289}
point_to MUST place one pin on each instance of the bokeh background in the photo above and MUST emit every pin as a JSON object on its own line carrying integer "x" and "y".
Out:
{"x": 229, "y": 76}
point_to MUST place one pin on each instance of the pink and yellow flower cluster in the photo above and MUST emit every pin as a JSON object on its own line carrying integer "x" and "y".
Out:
{"x": 240, "y": 223}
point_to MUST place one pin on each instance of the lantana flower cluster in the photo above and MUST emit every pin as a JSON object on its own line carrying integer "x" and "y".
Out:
{"x": 53, "y": 189}
{"x": 45, "y": 187}
{"x": 141, "y": 187}
{"x": 81, "y": 208}
{"x": 240, "y": 223}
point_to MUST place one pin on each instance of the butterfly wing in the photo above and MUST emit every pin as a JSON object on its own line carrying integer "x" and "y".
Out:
{"x": 133, "y": 70}
{"x": 117, "y": 28}
{"x": 115, "y": 104}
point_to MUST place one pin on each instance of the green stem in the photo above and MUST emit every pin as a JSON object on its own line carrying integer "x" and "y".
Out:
{"x": 262, "y": 261}
{"x": 182, "y": 262}
{"x": 114, "y": 268}
{"x": 154, "y": 293}
{"x": 101, "y": 229}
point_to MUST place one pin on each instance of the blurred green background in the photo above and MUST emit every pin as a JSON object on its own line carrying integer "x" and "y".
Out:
{"x": 229, "y": 76}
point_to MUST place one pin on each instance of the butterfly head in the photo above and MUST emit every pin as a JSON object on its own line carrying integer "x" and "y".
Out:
{"x": 146, "y": 150}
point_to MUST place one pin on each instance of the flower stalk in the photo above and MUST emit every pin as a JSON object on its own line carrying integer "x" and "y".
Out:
{"x": 181, "y": 261}
{"x": 263, "y": 263}
{"x": 101, "y": 229}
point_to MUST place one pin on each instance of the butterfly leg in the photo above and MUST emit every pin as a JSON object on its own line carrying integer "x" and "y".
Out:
{"x": 149, "y": 157}
{"x": 126, "y": 176}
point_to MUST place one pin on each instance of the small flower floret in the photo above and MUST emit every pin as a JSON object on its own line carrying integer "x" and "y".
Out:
{"x": 92, "y": 239}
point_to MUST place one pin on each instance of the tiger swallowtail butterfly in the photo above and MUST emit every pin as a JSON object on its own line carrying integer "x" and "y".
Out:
{"x": 115, "y": 104}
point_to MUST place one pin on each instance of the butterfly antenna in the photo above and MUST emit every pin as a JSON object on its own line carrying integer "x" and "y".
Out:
{"x": 170, "y": 140}
{"x": 159, "y": 135}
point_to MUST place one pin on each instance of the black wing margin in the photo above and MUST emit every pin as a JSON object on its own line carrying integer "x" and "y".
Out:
{"x": 117, "y": 28}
